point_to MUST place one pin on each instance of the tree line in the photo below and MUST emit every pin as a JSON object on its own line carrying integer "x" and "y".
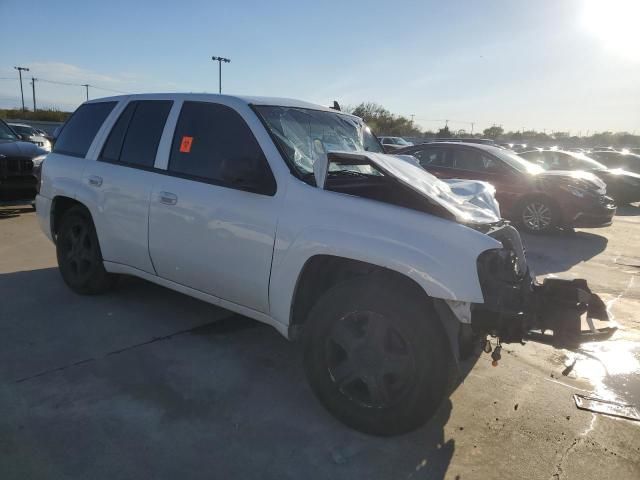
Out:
{"x": 383, "y": 122}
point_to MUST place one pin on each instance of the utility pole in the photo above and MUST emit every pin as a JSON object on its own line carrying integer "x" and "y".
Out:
{"x": 33, "y": 87}
{"x": 412, "y": 115}
{"x": 86, "y": 86}
{"x": 472, "y": 128}
{"x": 20, "y": 70}
{"x": 220, "y": 60}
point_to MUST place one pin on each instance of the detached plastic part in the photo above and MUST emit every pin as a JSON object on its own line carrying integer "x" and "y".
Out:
{"x": 608, "y": 407}
{"x": 530, "y": 310}
{"x": 562, "y": 303}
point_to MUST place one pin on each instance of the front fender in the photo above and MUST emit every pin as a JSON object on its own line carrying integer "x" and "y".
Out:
{"x": 443, "y": 269}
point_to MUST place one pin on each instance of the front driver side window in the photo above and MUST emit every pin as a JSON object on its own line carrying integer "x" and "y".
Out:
{"x": 212, "y": 143}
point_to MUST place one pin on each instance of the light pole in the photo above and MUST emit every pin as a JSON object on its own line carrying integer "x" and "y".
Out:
{"x": 20, "y": 70}
{"x": 86, "y": 86}
{"x": 33, "y": 88}
{"x": 220, "y": 60}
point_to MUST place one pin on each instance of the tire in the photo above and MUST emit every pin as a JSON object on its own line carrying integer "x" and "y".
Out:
{"x": 376, "y": 357}
{"x": 537, "y": 215}
{"x": 79, "y": 256}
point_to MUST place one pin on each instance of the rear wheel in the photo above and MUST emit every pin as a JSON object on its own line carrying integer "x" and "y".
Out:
{"x": 79, "y": 256}
{"x": 376, "y": 357}
{"x": 538, "y": 215}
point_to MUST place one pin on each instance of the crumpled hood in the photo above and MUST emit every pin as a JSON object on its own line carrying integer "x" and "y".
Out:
{"x": 424, "y": 183}
{"x": 13, "y": 148}
{"x": 578, "y": 178}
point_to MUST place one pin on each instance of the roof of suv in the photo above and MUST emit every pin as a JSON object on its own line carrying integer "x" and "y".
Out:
{"x": 247, "y": 100}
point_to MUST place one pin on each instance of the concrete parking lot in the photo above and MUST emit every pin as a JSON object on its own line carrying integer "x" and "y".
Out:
{"x": 147, "y": 383}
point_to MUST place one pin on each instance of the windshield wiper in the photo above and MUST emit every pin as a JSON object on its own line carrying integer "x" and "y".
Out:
{"x": 346, "y": 173}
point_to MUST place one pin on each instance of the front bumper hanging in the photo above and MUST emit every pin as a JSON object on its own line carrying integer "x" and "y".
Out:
{"x": 561, "y": 305}
{"x": 555, "y": 305}
{"x": 517, "y": 307}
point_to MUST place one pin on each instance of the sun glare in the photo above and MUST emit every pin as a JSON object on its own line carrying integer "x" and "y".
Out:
{"x": 615, "y": 23}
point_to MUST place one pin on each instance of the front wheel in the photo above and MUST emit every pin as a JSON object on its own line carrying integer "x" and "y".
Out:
{"x": 79, "y": 256}
{"x": 538, "y": 215}
{"x": 376, "y": 357}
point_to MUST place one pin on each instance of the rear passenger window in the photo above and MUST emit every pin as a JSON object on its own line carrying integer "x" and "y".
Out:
{"x": 434, "y": 157}
{"x": 475, "y": 161}
{"x": 111, "y": 149}
{"x": 213, "y": 143}
{"x": 135, "y": 136}
{"x": 78, "y": 133}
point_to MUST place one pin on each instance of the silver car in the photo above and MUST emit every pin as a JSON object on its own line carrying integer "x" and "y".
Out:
{"x": 30, "y": 134}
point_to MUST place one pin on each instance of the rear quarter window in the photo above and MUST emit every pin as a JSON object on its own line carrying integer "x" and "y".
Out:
{"x": 80, "y": 130}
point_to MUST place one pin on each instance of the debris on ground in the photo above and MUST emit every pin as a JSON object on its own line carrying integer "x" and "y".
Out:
{"x": 608, "y": 407}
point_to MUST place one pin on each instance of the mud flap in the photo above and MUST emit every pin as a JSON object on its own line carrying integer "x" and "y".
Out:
{"x": 558, "y": 305}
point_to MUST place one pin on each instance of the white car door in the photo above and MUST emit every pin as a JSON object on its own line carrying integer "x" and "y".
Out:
{"x": 212, "y": 217}
{"x": 121, "y": 180}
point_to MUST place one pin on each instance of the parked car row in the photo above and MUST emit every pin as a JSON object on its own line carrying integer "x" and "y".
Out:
{"x": 20, "y": 163}
{"x": 538, "y": 200}
{"x": 622, "y": 185}
{"x": 292, "y": 214}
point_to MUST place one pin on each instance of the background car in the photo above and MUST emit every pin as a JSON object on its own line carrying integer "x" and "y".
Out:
{"x": 30, "y": 134}
{"x": 536, "y": 199}
{"x": 20, "y": 164}
{"x": 622, "y": 185}
{"x": 393, "y": 143}
{"x": 614, "y": 159}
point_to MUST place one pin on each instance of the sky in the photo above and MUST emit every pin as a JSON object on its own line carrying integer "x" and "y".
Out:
{"x": 570, "y": 65}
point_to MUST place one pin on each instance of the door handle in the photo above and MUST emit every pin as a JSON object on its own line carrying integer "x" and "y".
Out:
{"x": 95, "y": 180}
{"x": 168, "y": 198}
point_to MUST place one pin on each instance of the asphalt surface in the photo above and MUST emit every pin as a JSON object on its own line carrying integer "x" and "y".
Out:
{"x": 147, "y": 383}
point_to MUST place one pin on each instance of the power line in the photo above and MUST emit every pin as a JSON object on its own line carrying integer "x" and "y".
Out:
{"x": 56, "y": 82}
{"x": 108, "y": 89}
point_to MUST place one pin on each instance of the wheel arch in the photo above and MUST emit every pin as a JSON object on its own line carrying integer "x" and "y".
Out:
{"x": 61, "y": 204}
{"x": 517, "y": 207}
{"x": 322, "y": 272}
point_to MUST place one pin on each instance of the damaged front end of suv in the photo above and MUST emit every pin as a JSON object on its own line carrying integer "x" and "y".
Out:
{"x": 516, "y": 306}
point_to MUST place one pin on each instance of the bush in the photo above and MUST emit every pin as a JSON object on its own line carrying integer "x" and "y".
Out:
{"x": 49, "y": 115}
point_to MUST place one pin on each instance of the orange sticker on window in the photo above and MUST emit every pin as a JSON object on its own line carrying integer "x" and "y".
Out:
{"x": 185, "y": 144}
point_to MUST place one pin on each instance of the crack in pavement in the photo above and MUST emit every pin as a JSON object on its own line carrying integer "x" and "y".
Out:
{"x": 204, "y": 326}
{"x": 559, "y": 472}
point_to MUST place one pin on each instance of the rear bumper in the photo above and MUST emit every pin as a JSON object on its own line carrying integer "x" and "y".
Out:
{"x": 43, "y": 213}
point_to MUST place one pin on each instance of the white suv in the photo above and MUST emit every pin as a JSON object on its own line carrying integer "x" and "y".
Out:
{"x": 289, "y": 213}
